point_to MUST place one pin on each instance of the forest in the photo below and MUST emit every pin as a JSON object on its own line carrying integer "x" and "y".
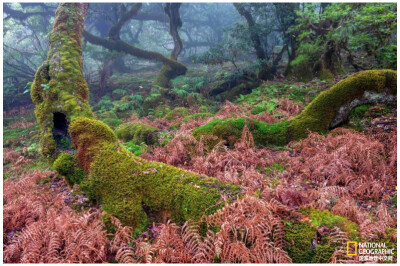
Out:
{"x": 200, "y": 132}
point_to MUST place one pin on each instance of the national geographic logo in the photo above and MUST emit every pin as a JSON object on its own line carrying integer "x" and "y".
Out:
{"x": 350, "y": 245}
{"x": 370, "y": 251}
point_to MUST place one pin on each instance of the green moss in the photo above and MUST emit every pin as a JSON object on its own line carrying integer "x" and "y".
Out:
{"x": 161, "y": 110}
{"x": 99, "y": 131}
{"x": 112, "y": 122}
{"x": 168, "y": 73}
{"x": 136, "y": 190}
{"x": 67, "y": 166}
{"x": 323, "y": 253}
{"x": 359, "y": 111}
{"x": 137, "y": 133}
{"x": 124, "y": 183}
{"x": 108, "y": 114}
{"x": 231, "y": 129}
{"x": 316, "y": 117}
{"x": 299, "y": 237}
{"x": 197, "y": 116}
{"x": 356, "y": 115}
{"x": 276, "y": 134}
{"x": 177, "y": 113}
{"x": 164, "y": 76}
{"x": 87, "y": 134}
{"x": 109, "y": 226}
{"x": 326, "y": 218}
{"x": 325, "y": 74}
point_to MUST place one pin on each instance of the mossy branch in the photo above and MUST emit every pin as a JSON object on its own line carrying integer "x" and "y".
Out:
{"x": 327, "y": 111}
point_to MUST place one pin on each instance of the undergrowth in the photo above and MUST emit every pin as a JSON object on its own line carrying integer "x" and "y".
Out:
{"x": 300, "y": 203}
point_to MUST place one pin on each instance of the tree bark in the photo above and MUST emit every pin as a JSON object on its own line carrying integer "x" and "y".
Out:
{"x": 115, "y": 30}
{"x": 286, "y": 16}
{"x": 329, "y": 63}
{"x": 265, "y": 72}
{"x": 167, "y": 73}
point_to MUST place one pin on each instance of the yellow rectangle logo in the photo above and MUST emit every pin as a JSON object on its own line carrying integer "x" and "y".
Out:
{"x": 355, "y": 248}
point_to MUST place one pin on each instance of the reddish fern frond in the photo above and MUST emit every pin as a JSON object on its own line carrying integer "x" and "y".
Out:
{"x": 50, "y": 232}
{"x": 347, "y": 207}
{"x": 247, "y": 140}
{"x": 290, "y": 108}
{"x": 343, "y": 158}
{"x": 127, "y": 255}
{"x": 122, "y": 236}
{"x": 206, "y": 249}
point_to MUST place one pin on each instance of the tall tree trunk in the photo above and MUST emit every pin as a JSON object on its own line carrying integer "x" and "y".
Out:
{"x": 266, "y": 71}
{"x": 167, "y": 73}
{"x": 329, "y": 63}
{"x": 59, "y": 89}
{"x": 286, "y": 16}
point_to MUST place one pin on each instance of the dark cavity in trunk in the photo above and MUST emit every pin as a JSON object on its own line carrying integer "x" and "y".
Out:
{"x": 60, "y": 130}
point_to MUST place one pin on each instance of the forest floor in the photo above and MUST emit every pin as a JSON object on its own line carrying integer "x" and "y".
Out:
{"x": 302, "y": 201}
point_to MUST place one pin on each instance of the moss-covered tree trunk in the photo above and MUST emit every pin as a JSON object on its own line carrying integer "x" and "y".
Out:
{"x": 134, "y": 190}
{"x": 59, "y": 89}
{"x": 327, "y": 111}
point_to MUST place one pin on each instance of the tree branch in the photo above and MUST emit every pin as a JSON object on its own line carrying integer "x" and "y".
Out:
{"x": 16, "y": 14}
{"x": 121, "y": 46}
{"x": 114, "y": 32}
